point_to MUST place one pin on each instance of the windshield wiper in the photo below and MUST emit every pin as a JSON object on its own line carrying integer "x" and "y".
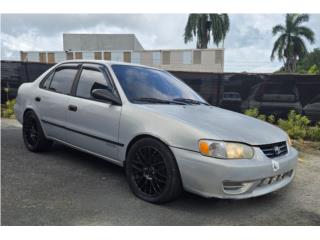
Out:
{"x": 157, "y": 100}
{"x": 190, "y": 101}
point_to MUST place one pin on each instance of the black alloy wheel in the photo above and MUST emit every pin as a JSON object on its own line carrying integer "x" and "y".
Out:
{"x": 33, "y": 135}
{"x": 149, "y": 170}
{"x": 31, "y": 131}
{"x": 152, "y": 171}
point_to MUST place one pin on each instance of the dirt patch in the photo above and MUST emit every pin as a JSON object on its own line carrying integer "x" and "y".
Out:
{"x": 307, "y": 146}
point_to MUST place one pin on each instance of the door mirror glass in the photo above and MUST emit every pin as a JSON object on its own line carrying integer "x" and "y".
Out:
{"x": 105, "y": 95}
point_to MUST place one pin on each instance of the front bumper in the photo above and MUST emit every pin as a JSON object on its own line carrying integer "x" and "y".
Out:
{"x": 210, "y": 177}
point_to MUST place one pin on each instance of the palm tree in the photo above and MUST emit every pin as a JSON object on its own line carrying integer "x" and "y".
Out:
{"x": 201, "y": 25}
{"x": 290, "y": 45}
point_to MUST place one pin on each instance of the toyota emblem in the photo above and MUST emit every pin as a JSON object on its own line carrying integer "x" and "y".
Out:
{"x": 276, "y": 150}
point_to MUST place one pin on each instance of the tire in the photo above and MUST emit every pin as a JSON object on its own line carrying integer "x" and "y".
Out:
{"x": 152, "y": 171}
{"x": 33, "y": 135}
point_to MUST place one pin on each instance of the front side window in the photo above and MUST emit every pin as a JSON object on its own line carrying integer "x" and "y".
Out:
{"x": 141, "y": 82}
{"x": 90, "y": 80}
{"x": 62, "y": 80}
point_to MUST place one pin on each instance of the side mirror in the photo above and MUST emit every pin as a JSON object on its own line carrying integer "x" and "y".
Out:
{"x": 105, "y": 95}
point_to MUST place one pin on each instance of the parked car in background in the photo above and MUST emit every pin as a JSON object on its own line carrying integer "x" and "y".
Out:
{"x": 312, "y": 109}
{"x": 273, "y": 99}
{"x": 231, "y": 101}
{"x": 162, "y": 132}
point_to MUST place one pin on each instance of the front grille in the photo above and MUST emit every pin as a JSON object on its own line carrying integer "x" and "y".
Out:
{"x": 275, "y": 149}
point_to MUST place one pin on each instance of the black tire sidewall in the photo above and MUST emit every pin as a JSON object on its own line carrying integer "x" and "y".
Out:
{"x": 171, "y": 167}
{"x": 41, "y": 138}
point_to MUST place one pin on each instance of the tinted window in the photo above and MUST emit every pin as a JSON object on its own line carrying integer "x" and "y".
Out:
{"x": 278, "y": 89}
{"x": 277, "y": 93}
{"x": 62, "y": 80}
{"x": 141, "y": 82}
{"x": 90, "y": 80}
{"x": 47, "y": 81}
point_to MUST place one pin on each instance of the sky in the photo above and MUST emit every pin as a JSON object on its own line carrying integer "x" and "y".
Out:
{"x": 247, "y": 46}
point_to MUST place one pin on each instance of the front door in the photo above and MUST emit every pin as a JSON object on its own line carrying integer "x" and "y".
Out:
{"x": 94, "y": 124}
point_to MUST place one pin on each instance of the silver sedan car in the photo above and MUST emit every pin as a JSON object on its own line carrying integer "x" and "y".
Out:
{"x": 162, "y": 132}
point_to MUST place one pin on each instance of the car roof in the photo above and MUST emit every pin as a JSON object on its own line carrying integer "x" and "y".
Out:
{"x": 105, "y": 62}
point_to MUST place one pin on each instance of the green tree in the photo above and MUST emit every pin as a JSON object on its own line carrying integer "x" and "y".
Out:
{"x": 308, "y": 61}
{"x": 203, "y": 26}
{"x": 314, "y": 69}
{"x": 290, "y": 45}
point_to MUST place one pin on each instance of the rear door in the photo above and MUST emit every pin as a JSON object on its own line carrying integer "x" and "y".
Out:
{"x": 94, "y": 124}
{"x": 52, "y": 100}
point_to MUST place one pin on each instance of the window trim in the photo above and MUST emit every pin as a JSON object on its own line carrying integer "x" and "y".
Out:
{"x": 96, "y": 67}
{"x": 46, "y": 78}
{"x": 60, "y": 67}
{"x": 79, "y": 65}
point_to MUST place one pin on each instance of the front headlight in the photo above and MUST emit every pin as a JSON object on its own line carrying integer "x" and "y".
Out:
{"x": 225, "y": 150}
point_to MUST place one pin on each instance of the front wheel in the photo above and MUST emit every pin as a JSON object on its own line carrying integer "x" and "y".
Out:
{"x": 152, "y": 172}
{"x": 33, "y": 135}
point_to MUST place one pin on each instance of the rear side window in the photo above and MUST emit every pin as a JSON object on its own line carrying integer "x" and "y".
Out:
{"x": 62, "y": 80}
{"x": 90, "y": 80}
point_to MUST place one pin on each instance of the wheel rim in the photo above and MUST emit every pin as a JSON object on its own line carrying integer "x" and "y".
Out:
{"x": 31, "y": 131}
{"x": 149, "y": 171}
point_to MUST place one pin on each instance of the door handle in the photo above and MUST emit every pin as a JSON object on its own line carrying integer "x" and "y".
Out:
{"x": 72, "y": 108}
{"x": 38, "y": 99}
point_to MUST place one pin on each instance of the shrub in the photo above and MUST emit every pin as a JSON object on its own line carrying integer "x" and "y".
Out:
{"x": 262, "y": 117}
{"x": 254, "y": 112}
{"x": 313, "y": 133}
{"x": 271, "y": 119}
{"x": 314, "y": 69}
{"x": 297, "y": 126}
{"x": 8, "y": 111}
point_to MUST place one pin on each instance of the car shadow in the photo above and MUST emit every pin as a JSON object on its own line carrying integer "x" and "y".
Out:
{"x": 188, "y": 199}
{"x": 83, "y": 159}
{"x": 187, "y": 202}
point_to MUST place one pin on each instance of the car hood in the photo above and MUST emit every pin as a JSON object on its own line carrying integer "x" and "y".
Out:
{"x": 220, "y": 124}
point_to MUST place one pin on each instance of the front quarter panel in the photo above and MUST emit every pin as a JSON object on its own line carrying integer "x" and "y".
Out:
{"x": 135, "y": 121}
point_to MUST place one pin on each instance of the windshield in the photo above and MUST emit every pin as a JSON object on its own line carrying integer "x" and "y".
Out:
{"x": 141, "y": 84}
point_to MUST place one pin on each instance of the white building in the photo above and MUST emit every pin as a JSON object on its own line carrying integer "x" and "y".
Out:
{"x": 127, "y": 48}
{"x": 94, "y": 42}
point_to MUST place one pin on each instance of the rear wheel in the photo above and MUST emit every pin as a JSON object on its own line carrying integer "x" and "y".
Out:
{"x": 152, "y": 171}
{"x": 33, "y": 135}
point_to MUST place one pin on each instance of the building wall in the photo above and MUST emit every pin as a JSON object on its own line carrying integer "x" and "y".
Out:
{"x": 93, "y": 42}
{"x": 190, "y": 60}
